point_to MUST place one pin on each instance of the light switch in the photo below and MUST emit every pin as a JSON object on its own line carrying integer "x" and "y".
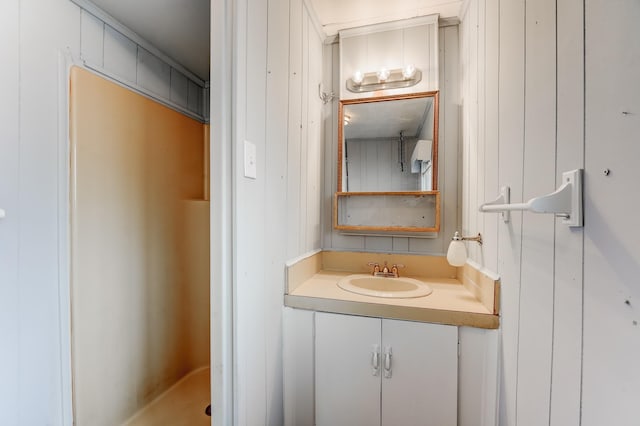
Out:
{"x": 250, "y": 169}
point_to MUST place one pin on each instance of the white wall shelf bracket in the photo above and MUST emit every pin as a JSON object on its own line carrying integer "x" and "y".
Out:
{"x": 503, "y": 199}
{"x": 565, "y": 202}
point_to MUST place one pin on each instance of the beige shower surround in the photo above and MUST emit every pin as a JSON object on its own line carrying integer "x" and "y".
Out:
{"x": 140, "y": 287}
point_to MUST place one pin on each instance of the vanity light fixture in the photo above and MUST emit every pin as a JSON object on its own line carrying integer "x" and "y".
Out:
{"x": 383, "y": 74}
{"x": 408, "y": 71}
{"x": 384, "y": 79}
{"x": 457, "y": 253}
{"x": 347, "y": 119}
{"x": 357, "y": 77}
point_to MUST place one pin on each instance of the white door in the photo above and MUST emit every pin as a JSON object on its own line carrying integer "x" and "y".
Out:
{"x": 9, "y": 225}
{"x": 420, "y": 379}
{"x": 347, "y": 385}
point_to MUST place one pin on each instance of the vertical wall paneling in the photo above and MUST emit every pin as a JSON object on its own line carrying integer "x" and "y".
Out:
{"x": 465, "y": 80}
{"x": 476, "y": 221}
{"x": 539, "y": 177}
{"x": 249, "y": 380}
{"x": 567, "y": 84}
{"x": 304, "y": 135}
{"x": 329, "y": 126}
{"x": 449, "y": 135}
{"x": 470, "y": 108}
{"x": 295, "y": 124}
{"x": 32, "y": 219}
{"x": 153, "y": 74}
{"x": 314, "y": 151}
{"x": 510, "y": 160}
{"x": 305, "y": 161}
{"x": 567, "y": 325}
{"x": 221, "y": 262}
{"x": 91, "y": 39}
{"x": 276, "y": 193}
{"x": 489, "y": 227}
{"x": 10, "y": 303}
{"x": 611, "y": 253}
{"x": 194, "y": 97}
{"x": 179, "y": 86}
{"x": 277, "y": 214}
{"x": 45, "y": 29}
{"x": 120, "y": 55}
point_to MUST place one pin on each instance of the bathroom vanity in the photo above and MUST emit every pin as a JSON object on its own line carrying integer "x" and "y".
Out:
{"x": 352, "y": 358}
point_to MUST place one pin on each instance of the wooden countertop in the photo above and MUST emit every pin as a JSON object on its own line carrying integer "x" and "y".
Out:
{"x": 450, "y": 303}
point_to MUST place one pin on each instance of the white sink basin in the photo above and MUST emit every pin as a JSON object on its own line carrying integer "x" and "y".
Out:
{"x": 368, "y": 285}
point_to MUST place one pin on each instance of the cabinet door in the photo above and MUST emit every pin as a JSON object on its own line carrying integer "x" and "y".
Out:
{"x": 347, "y": 391}
{"x": 423, "y": 387}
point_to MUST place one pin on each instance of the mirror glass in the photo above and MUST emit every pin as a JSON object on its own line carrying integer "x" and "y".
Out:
{"x": 388, "y": 144}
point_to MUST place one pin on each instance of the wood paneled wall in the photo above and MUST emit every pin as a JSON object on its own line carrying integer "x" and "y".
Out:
{"x": 548, "y": 86}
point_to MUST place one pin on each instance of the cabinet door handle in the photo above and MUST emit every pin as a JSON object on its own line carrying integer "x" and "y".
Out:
{"x": 388, "y": 355}
{"x": 375, "y": 360}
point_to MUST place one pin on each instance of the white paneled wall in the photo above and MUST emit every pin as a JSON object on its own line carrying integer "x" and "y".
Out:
{"x": 448, "y": 157}
{"x": 10, "y": 306}
{"x": 276, "y": 69}
{"x": 611, "y": 375}
{"x": 391, "y": 45}
{"x": 304, "y": 148}
{"x": 35, "y": 383}
{"x": 35, "y": 37}
{"x": 107, "y": 50}
{"x": 539, "y": 99}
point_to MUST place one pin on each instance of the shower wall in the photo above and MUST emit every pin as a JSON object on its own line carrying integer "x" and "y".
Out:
{"x": 139, "y": 226}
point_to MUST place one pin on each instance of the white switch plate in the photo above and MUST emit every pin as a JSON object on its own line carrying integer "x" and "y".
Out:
{"x": 250, "y": 169}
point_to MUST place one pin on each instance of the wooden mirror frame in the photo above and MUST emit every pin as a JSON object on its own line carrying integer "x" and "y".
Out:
{"x": 436, "y": 110}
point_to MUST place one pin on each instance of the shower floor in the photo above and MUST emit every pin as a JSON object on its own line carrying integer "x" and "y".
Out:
{"x": 183, "y": 404}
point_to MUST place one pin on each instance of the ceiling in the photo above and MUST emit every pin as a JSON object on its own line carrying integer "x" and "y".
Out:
{"x": 180, "y": 28}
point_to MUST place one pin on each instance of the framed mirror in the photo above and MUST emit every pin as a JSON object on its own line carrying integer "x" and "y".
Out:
{"x": 388, "y": 144}
{"x": 388, "y": 164}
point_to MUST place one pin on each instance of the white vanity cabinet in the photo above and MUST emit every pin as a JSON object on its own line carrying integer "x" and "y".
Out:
{"x": 371, "y": 371}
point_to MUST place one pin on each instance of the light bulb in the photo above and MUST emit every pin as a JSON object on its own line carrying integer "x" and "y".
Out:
{"x": 408, "y": 71}
{"x": 357, "y": 77}
{"x": 383, "y": 74}
{"x": 457, "y": 253}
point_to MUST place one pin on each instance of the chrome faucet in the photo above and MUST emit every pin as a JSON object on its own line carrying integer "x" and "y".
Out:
{"x": 385, "y": 271}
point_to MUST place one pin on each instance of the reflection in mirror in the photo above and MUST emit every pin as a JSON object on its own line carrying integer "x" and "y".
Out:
{"x": 388, "y": 144}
